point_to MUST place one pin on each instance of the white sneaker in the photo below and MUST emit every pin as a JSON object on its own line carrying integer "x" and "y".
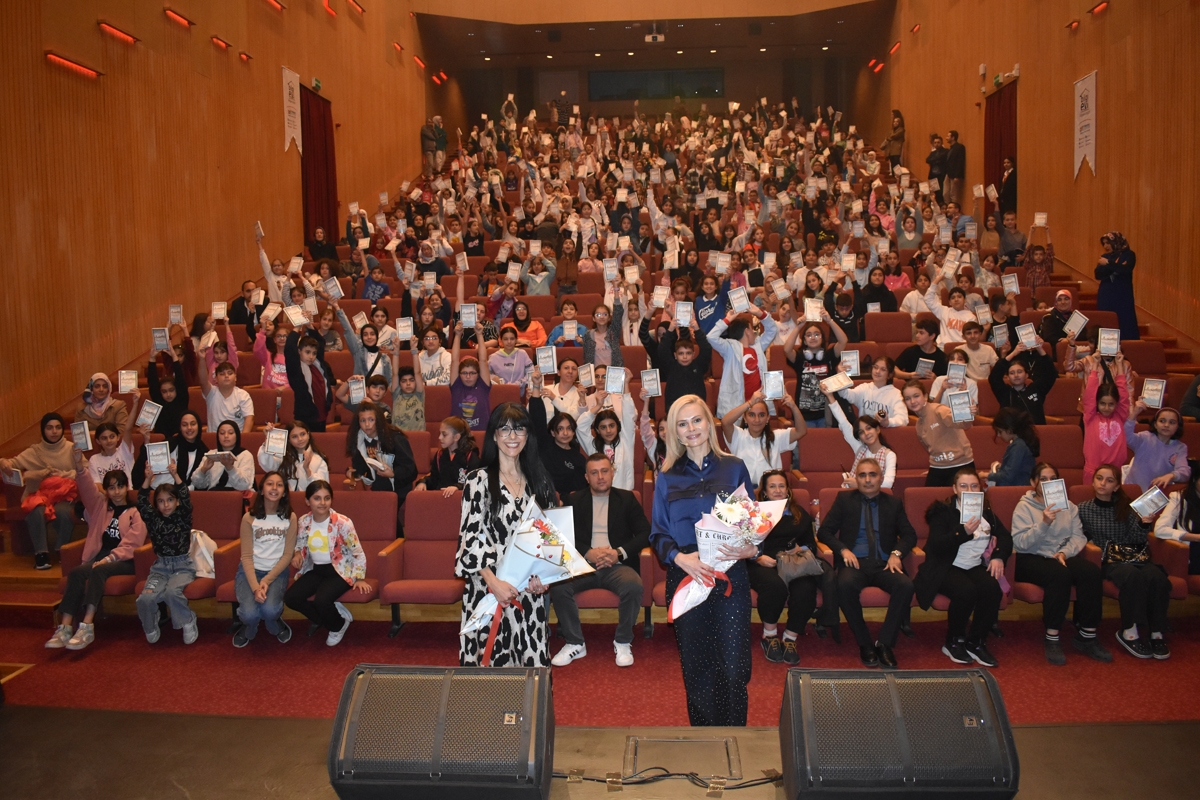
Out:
{"x": 84, "y": 635}
{"x": 335, "y": 637}
{"x": 569, "y": 653}
{"x": 624, "y": 654}
{"x": 191, "y": 632}
{"x": 58, "y": 640}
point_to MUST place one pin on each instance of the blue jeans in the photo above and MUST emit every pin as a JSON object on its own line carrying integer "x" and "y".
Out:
{"x": 169, "y": 576}
{"x": 250, "y": 611}
{"x": 820, "y": 422}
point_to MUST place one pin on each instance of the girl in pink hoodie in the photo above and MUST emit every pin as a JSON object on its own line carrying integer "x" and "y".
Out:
{"x": 115, "y": 530}
{"x": 1105, "y": 409}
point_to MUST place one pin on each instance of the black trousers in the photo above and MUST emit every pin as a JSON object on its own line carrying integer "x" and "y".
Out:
{"x": 1056, "y": 580}
{"x": 941, "y": 476}
{"x": 1145, "y": 595}
{"x": 800, "y": 596}
{"x": 714, "y": 649}
{"x": 971, "y": 590}
{"x": 873, "y": 572}
{"x": 85, "y": 585}
{"x": 324, "y": 585}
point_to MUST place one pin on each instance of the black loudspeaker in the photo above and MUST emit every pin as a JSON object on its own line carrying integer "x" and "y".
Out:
{"x": 872, "y": 734}
{"x": 445, "y": 733}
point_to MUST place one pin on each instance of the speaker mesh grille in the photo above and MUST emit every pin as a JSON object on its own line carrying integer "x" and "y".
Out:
{"x": 856, "y": 730}
{"x": 476, "y": 715}
{"x": 396, "y": 723}
{"x": 938, "y": 717}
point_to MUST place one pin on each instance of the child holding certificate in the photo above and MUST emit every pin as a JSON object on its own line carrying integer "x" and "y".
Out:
{"x": 965, "y": 554}
{"x": 945, "y": 439}
{"x": 1159, "y": 457}
{"x": 1121, "y": 532}
{"x": 1105, "y": 410}
{"x": 1049, "y": 540}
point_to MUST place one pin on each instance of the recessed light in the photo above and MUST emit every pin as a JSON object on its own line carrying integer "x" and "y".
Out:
{"x": 680, "y": 25}
{"x": 628, "y": 27}
{"x": 597, "y": 55}
{"x": 678, "y": 52}
{"x": 762, "y": 49}
{"x": 712, "y": 51}
{"x": 487, "y": 58}
{"x": 549, "y": 56}
{"x": 630, "y": 52}
{"x": 537, "y": 30}
{"x": 470, "y": 34}
{"x": 826, "y": 47}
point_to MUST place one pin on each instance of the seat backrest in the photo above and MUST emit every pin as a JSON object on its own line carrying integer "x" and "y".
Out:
{"x": 219, "y": 514}
{"x": 341, "y": 362}
{"x": 889, "y": 326}
{"x": 437, "y": 403}
{"x": 1147, "y": 358}
{"x": 541, "y": 306}
{"x": 419, "y": 441}
{"x": 1003, "y": 500}
{"x": 1063, "y": 399}
{"x": 634, "y": 358}
{"x": 917, "y": 500}
{"x": 910, "y": 453}
{"x": 505, "y": 393}
{"x": 984, "y": 445}
{"x": 1061, "y": 445}
{"x": 824, "y": 450}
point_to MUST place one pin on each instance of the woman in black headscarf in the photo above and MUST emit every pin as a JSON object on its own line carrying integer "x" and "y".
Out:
{"x": 1114, "y": 271}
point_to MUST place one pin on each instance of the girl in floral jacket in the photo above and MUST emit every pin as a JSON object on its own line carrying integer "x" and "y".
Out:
{"x": 330, "y": 561}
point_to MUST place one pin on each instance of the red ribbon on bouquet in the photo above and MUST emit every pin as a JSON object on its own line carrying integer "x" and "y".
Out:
{"x": 688, "y": 579}
{"x": 486, "y": 659}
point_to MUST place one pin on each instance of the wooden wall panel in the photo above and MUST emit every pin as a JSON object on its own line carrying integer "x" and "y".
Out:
{"x": 1147, "y": 112}
{"x": 126, "y": 193}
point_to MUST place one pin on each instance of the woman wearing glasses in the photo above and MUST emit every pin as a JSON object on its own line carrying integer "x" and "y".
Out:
{"x": 494, "y": 499}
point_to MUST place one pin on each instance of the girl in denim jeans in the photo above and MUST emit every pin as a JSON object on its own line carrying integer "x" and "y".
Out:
{"x": 268, "y": 539}
{"x": 168, "y": 522}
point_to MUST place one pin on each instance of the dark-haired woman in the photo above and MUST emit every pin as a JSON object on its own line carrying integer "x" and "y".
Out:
{"x": 50, "y": 462}
{"x": 214, "y": 475}
{"x": 115, "y": 530}
{"x": 302, "y": 462}
{"x": 329, "y": 561}
{"x": 494, "y": 499}
{"x": 799, "y": 595}
{"x": 187, "y": 451}
{"x": 965, "y": 562}
{"x": 268, "y": 540}
{"x": 1015, "y": 428}
{"x": 1110, "y": 523}
{"x": 1114, "y": 271}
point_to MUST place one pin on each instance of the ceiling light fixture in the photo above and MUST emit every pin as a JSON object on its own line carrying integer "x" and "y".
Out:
{"x": 487, "y": 58}
{"x": 826, "y": 47}
{"x": 712, "y": 51}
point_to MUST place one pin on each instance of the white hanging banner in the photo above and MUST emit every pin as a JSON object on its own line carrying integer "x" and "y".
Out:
{"x": 291, "y": 110}
{"x": 1085, "y": 121}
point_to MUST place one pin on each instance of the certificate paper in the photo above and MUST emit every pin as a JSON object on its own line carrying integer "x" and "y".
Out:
{"x": 127, "y": 381}
{"x": 970, "y": 506}
{"x": 739, "y": 300}
{"x": 1011, "y": 284}
{"x": 651, "y": 382}
{"x": 773, "y": 385}
{"x": 358, "y": 390}
{"x": 162, "y": 339}
{"x": 148, "y": 415}
{"x": 158, "y": 455}
{"x": 1153, "y": 390}
{"x": 960, "y": 406}
{"x": 1028, "y": 335}
{"x": 1055, "y": 495}
{"x": 1075, "y": 324}
{"x": 683, "y": 313}
{"x": 850, "y": 359}
{"x": 837, "y": 382}
{"x": 404, "y": 328}
{"x": 1110, "y": 341}
{"x": 587, "y": 376}
{"x": 466, "y": 315}
{"x": 812, "y": 309}
{"x": 614, "y": 380}
{"x": 276, "y": 442}
{"x": 81, "y": 436}
{"x": 547, "y": 360}
{"x": 1150, "y": 503}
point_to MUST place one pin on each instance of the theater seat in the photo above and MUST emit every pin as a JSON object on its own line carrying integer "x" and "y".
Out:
{"x": 419, "y": 568}
{"x": 889, "y": 326}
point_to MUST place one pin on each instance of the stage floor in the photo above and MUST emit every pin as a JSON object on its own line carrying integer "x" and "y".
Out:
{"x": 78, "y": 753}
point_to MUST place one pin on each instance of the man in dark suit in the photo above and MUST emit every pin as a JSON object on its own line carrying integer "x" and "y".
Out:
{"x": 610, "y": 531}
{"x": 956, "y": 169}
{"x": 870, "y": 536}
{"x": 243, "y": 311}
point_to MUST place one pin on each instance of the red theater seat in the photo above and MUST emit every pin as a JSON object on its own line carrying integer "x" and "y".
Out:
{"x": 419, "y": 568}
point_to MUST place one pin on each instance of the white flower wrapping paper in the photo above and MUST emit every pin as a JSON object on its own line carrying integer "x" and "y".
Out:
{"x": 528, "y": 554}
{"x": 734, "y": 531}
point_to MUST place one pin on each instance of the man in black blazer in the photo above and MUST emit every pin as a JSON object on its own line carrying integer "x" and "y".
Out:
{"x": 610, "y": 531}
{"x": 243, "y": 311}
{"x": 870, "y": 548}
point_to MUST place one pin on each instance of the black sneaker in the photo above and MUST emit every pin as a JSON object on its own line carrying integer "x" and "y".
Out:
{"x": 773, "y": 649}
{"x": 285, "y": 633}
{"x": 41, "y": 561}
{"x": 979, "y": 652}
{"x": 239, "y": 638}
{"x": 790, "y": 654}
{"x": 1136, "y": 648}
{"x": 1092, "y": 648}
{"x": 1055, "y": 654}
{"x": 1159, "y": 649}
{"x": 956, "y": 651}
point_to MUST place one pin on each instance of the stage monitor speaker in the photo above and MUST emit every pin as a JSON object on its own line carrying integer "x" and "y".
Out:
{"x": 919, "y": 733}
{"x": 443, "y": 732}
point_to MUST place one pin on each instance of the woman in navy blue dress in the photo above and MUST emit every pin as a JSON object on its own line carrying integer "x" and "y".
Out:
{"x": 1114, "y": 271}
{"x": 714, "y": 637}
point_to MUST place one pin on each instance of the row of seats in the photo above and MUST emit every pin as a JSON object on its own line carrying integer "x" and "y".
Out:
{"x": 419, "y": 569}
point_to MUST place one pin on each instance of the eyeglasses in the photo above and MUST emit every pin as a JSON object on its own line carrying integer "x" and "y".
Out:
{"x": 510, "y": 432}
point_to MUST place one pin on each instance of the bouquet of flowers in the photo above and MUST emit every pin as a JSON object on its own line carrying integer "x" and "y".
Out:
{"x": 735, "y": 521}
{"x": 544, "y": 546}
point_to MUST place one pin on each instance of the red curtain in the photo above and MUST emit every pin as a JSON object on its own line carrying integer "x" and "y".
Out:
{"x": 999, "y": 135}
{"x": 318, "y": 167}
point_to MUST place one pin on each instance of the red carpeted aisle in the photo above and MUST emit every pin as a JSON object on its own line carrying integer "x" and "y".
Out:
{"x": 304, "y": 677}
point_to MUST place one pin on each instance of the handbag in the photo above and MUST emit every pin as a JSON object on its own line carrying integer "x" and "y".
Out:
{"x": 1126, "y": 553}
{"x": 799, "y": 562}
